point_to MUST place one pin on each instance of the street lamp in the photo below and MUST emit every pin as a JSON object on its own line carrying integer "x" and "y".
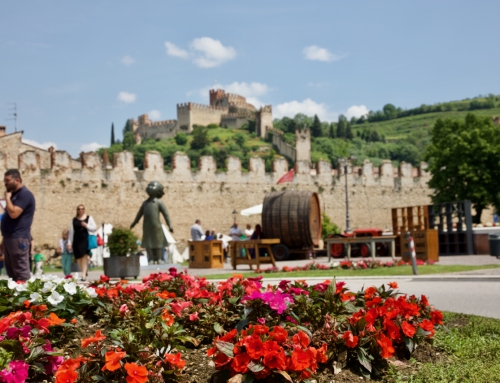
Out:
{"x": 234, "y": 213}
{"x": 347, "y": 218}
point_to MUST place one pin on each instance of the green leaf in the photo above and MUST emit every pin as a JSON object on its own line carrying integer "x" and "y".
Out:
{"x": 410, "y": 345}
{"x": 285, "y": 375}
{"x": 248, "y": 378}
{"x": 225, "y": 347}
{"x": 255, "y": 367}
{"x": 363, "y": 359}
{"x": 218, "y": 328}
{"x": 330, "y": 291}
{"x": 233, "y": 300}
{"x": 242, "y": 324}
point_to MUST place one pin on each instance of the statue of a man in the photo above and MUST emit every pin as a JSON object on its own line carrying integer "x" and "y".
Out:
{"x": 153, "y": 238}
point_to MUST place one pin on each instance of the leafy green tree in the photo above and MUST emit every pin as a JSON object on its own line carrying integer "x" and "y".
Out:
{"x": 200, "y": 137}
{"x": 112, "y": 134}
{"x": 341, "y": 127}
{"x": 348, "y": 132}
{"x": 316, "y": 127}
{"x": 327, "y": 226}
{"x": 240, "y": 139}
{"x": 390, "y": 111}
{"x": 332, "y": 130}
{"x": 464, "y": 161}
{"x": 127, "y": 128}
{"x": 181, "y": 139}
{"x": 128, "y": 141}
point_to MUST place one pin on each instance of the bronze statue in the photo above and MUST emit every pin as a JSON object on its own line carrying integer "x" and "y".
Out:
{"x": 153, "y": 238}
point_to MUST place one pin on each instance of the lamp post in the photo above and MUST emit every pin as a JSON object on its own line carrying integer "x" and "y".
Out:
{"x": 347, "y": 218}
{"x": 234, "y": 213}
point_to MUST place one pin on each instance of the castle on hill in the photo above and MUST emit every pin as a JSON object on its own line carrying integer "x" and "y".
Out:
{"x": 226, "y": 109}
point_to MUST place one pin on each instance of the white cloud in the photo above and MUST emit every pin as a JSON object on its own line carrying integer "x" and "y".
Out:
{"x": 154, "y": 115}
{"x": 44, "y": 145}
{"x": 316, "y": 53}
{"x": 92, "y": 147}
{"x": 204, "y": 51}
{"x": 127, "y": 60}
{"x": 356, "y": 111}
{"x": 211, "y": 53}
{"x": 174, "y": 50}
{"x": 127, "y": 97}
{"x": 307, "y": 107}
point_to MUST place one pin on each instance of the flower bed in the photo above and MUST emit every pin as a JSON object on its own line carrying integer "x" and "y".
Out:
{"x": 344, "y": 265}
{"x": 141, "y": 332}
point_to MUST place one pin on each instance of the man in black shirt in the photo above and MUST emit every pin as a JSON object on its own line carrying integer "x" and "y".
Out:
{"x": 16, "y": 226}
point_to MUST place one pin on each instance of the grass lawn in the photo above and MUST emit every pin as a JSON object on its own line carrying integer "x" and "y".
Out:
{"x": 382, "y": 271}
{"x": 471, "y": 348}
{"x": 49, "y": 270}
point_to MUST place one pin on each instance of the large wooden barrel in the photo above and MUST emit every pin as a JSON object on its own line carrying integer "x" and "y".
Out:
{"x": 292, "y": 216}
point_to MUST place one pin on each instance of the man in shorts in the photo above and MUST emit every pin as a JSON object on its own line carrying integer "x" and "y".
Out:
{"x": 16, "y": 226}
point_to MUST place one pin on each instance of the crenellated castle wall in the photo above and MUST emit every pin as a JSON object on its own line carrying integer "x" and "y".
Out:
{"x": 114, "y": 193}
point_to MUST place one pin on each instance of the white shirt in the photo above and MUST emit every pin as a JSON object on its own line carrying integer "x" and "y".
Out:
{"x": 196, "y": 232}
{"x": 235, "y": 233}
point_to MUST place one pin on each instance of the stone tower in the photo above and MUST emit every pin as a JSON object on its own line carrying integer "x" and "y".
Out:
{"x": 264, "y": 120}
{"x": 303, "y": 145}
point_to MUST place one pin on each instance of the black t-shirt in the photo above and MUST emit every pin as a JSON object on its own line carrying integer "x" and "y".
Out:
{"x": 21, "y": 226}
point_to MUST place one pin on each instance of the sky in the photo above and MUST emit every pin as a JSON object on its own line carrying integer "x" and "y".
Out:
{"x": 75, "y": 67}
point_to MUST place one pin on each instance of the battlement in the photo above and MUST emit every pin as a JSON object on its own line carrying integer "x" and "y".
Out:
{"x": 193, "y": 106}
{"x": 144, "y": 121}
{"x": 266, "y": 109}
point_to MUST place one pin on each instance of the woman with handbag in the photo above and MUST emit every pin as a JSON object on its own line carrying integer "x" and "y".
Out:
{"x": 81, "y": 238}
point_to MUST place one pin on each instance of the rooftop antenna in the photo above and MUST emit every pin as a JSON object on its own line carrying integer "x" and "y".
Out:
{"x": 13, "y": 109}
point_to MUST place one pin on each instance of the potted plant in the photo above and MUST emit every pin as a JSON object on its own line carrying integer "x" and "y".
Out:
{"x": 122, "y": 263}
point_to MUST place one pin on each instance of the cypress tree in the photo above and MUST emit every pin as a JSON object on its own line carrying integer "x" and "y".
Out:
{"x": 112, "y": 134}
{"x": 316, "y": 127}
{"x": 348, "y": 132}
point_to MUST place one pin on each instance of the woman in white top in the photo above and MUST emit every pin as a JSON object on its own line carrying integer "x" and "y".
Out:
{"x": 248, "y": 231}
{"x": 78, "y": 240}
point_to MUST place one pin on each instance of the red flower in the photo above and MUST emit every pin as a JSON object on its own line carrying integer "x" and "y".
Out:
{"x": 275, "y": 360}
{"x": 104, "y": 279}
{"x": 221, "y": 360}
{"x": 136, "y": 373}
{"x": 369, "y": 292}
{"x": 386, "y": 344}
{"x": 427, "y": 325}
{"x": 67, "y": 376}
{"x": 300, "y": 360}
{"x": 424, "y": 300}
{"x": 302, "y": 339}
{"x": 260, "y": 330}
{"x": 393, "y": 285}
{"x": 175, "y": 360}
{"x": 93, "y": 339}
{"x": 408, "y": 329}
{"x": 392, "y": 329}
{"x": 254, "y": 346}
{"x": 279, "y": 334}
{"x": 321, "y": 355}
{"x": 240, "y": 363}
{"x": 229, "y": 336}
{"x": 351, "y": 341}
{"x": 113, "y": 360}
{"x": 169, "y": 319}
{"x": 193, "y": 316}
{"x": 436, "y": 317}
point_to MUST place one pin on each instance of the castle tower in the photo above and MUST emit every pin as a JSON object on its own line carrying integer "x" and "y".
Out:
{"x": 264, "y": 120}
{"x": 303, "y": 145}
{"x": 216, "y": 95}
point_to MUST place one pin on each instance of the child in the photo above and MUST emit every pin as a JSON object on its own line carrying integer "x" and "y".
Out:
{"x": 66, "y": 256}
{"x": 39, "y": 258}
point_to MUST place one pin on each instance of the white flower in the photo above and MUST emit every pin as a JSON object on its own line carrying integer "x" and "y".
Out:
{"x": 336, "y": 264}
{"x": 55, "y": 298}
{"x": 32, "y": 279}
{"x": 70, "y": 288}
{"x": 11, "y": 284}
{"x": 35, "y": 297}
{"x": 47, "y": 286}
{"x": 91, "y": 292}
{"x": 21, "y": 287}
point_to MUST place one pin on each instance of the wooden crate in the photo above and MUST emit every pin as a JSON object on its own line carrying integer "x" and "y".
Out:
{"x": 426, "y": 245}
{"x": 206, "y": 254}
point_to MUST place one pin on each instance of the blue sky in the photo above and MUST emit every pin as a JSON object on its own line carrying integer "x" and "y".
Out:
{"x": 74, "y": 67}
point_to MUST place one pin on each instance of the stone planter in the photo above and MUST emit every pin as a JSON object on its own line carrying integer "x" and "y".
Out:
{"x": 122, "y": 267}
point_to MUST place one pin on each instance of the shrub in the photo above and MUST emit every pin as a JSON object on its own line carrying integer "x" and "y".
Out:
{"x": 122, "y": 241}
{"x": 181, "y": 139}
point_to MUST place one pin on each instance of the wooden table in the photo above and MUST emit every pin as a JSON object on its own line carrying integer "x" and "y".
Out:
{"x": 255, "y": 245}
{"x": 371, "y": 240}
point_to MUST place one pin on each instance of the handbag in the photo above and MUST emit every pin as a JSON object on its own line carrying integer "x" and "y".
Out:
{"x": 100, "y": 241}
{"x": 92, "y": 242}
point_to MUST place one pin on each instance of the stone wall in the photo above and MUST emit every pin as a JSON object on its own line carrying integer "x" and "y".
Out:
{"x": 114, "y": 195}
{"x": 284, "y": 148}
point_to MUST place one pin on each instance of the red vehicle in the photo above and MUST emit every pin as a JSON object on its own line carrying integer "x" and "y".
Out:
{"x": 338, "y": 250}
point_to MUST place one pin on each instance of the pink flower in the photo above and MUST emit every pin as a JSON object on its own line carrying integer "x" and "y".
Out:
{"x": 17, "y": 372}
{"x": 194, "y": 316}
{"x": 261, "y": 320}
{"x": 124, "y": 310}
{"x": 177, "y": 307}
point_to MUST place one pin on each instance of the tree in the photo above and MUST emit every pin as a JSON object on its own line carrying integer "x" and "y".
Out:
{"x": 112, "y": 134}
{"x": 316, "y": 127}
{"x": 341, "y": 127}
{"x": 181, "y": 139}
{"x": 128, "y": 141}
{"x": 200, "y": 137}
{"x": 390, "y": 111}
{"x": 127, "y": 128}
{"x": 332, "y": 130}
{"x": 348, "y": 132}
{"x": 464, "y": 162}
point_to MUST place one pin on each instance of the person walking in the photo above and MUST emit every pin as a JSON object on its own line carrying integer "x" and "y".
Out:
{"x": 66, "y": 256}
{"x": 196, "y": 231}
{"x": 16, "y": 226}
{"x": 78, "y": 239}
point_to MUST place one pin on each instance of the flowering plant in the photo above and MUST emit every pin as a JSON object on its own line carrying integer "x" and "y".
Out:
{"x": 62, "y": 295}
{"x": 260, "y": 351}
